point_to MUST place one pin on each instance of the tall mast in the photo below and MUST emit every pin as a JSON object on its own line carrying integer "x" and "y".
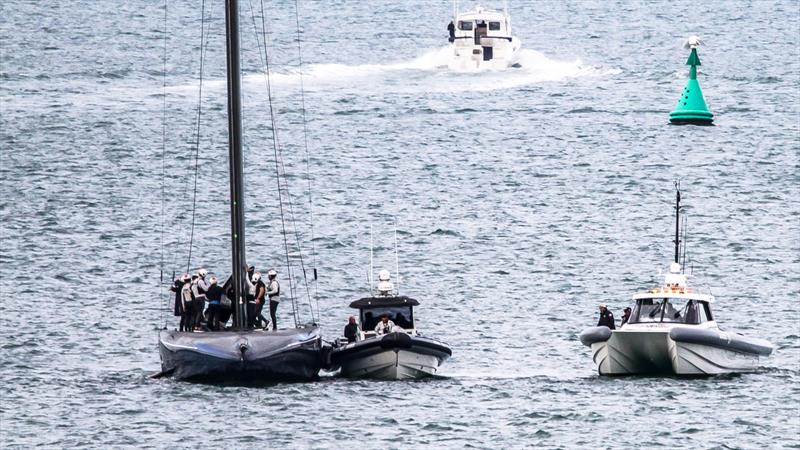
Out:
{"x": 235, "y": 161}
{"x": 677, "y": 221}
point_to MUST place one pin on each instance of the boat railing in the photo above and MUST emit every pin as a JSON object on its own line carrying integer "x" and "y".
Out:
{"x": 507, "y": 38}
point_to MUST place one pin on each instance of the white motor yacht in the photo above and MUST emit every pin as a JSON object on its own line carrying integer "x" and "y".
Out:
{"x": 482, "y": 40}
{"x": 671, "y": 330}
{"x": 394, "y": 352}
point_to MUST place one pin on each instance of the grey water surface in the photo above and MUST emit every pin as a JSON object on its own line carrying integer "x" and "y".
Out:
{"x": 521, "y": 199}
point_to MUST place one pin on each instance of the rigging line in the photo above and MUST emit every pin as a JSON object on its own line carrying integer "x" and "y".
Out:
{"x": 163, "y": 172}
{"x": 275, "y": 150}
{"x": 203, "y": 36}
{"x": 308, "y": 165}
{"x": 290, "y": 202}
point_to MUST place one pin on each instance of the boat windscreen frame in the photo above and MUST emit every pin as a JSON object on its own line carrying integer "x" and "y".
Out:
{"x": 368, "y": 324}
{"x": 678, "y": 316}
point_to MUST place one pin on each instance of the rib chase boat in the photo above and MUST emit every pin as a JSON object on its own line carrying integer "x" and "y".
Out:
{"x": 672, "y": 331}
{"x": 401, "y": 353}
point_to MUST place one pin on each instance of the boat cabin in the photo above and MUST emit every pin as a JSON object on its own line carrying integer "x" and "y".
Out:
{"x": 400, "y": 310}
{"x": 483, "y": 30}
{"x": 672, "y": 305}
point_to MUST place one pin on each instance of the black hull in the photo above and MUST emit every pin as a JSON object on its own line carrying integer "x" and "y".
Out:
{"x": 392, "y": 342}
{"x": 242, "y": 357}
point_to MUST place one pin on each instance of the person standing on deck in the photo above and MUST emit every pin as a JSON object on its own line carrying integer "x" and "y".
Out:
{"x": 351, "y": 330}
{"x": 452, "y": 30}
{"x": 254, "y": 306}
{"x": 606, "y": 318}
{"x": 214, "y": 296}
{"x": 177, "y": 287}
{"x": 186, "y": 303}
{"x": 273, "y": 292}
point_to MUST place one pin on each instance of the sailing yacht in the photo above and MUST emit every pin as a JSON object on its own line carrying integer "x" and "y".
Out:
{"x": 671, "y": 330}
{"x": 239, "y": 355}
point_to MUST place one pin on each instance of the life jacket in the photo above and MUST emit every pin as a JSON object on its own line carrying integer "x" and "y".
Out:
{"x": 260, "y": 285}
{"x": 279, "y": 289}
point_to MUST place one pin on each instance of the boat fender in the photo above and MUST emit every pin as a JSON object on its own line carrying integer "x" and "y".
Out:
{"x": 724, "y": 340}
{"x": 396, "y": 340}
{"x": 592, "y": 335}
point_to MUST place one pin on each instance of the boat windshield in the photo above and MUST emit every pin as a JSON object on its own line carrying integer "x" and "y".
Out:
{"x": 653, "y": 310}
{"x": 465, "y": 25}
{"x": 402, "y": 316}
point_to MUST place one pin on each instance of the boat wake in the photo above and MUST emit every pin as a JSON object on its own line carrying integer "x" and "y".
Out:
{"x": 532, "y": 67}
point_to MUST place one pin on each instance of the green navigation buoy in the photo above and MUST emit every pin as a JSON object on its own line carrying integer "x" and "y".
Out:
{"x": 692, "y": 107}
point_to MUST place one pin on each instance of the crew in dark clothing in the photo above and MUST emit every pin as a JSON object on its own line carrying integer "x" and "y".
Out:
{"x": 257, "y": 319}
{"x": 273, "y": 292}
{"x": 452, "y": 30}
{"x": 606, "y": 318}
{"x": 227, "y": 311}
{"x": 214, "y": 296}
{"x": 176, "y": 287}
{"x": 626, "y": 316}
{"x": 179, "y": 310}
{"x": 351, "y": 329}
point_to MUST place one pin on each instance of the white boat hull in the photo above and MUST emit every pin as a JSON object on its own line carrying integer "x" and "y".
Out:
{"x": 392, "y": 364}
{"x": 471, "y": 57}
{"x": 654, "y": 352}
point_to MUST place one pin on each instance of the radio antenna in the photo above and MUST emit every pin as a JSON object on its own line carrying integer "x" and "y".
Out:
{"x": 396, "y": 261}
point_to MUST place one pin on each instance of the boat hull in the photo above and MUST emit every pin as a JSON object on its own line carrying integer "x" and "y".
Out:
{"x": 395, "y": 356}
{"x": 673, "y": 351}
{"x": 472, "y": 57}
{"x": 242, "y": 357}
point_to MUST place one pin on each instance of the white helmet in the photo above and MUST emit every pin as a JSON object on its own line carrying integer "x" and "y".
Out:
{"x": 256, "y": 276}
{"x": 383, "y": 275}
{"x": 202, "y": 272}
{"x": 272, "y": 273}
{"x": 212, "y": 280}
{"x": 185, "y": 278}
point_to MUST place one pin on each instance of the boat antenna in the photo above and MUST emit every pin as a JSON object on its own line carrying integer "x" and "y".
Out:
{"x": 683, "y": 264}
{"x": 455, "y": 10}
{"x": 677, "y": 240}
{"x": 370, "y": 259}
{"x": 396, "y": 261}
{"x": 235, "y": 160}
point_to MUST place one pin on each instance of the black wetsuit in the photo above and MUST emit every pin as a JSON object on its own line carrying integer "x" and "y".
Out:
{"x": 350, "y": 332}
{"x": 452, "y": 30}
{"x": 214, "y": 295}
{"x": 606, "y": 319}
{"x": 176, "y": 288}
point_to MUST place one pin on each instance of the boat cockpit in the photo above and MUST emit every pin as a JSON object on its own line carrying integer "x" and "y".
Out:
{"x": 400, "y": 310}
{"x": 677, "y": 310}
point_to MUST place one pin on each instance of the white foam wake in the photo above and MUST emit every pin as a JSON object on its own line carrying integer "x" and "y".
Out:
{"x": 431, "y": 70}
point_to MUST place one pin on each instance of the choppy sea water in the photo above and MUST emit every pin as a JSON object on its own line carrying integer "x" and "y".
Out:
{"x": 521, "y": 199}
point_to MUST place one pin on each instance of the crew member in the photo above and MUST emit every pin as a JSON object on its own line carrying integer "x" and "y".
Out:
{"x": 273, "y": 292}
{"x": 384, "y": 326}
{"x": 199, "y": 288}
{"x": 626, "y": 316}
{"x": 255, "y": 306}
{"x": 177, "y": 287}
{"x": 351, "y": 329}
{"x": 186, "y": 303}
{"x": 214, "y": 296}
{"x": 606, "y": 318}
{"x": 451, "y": 28}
